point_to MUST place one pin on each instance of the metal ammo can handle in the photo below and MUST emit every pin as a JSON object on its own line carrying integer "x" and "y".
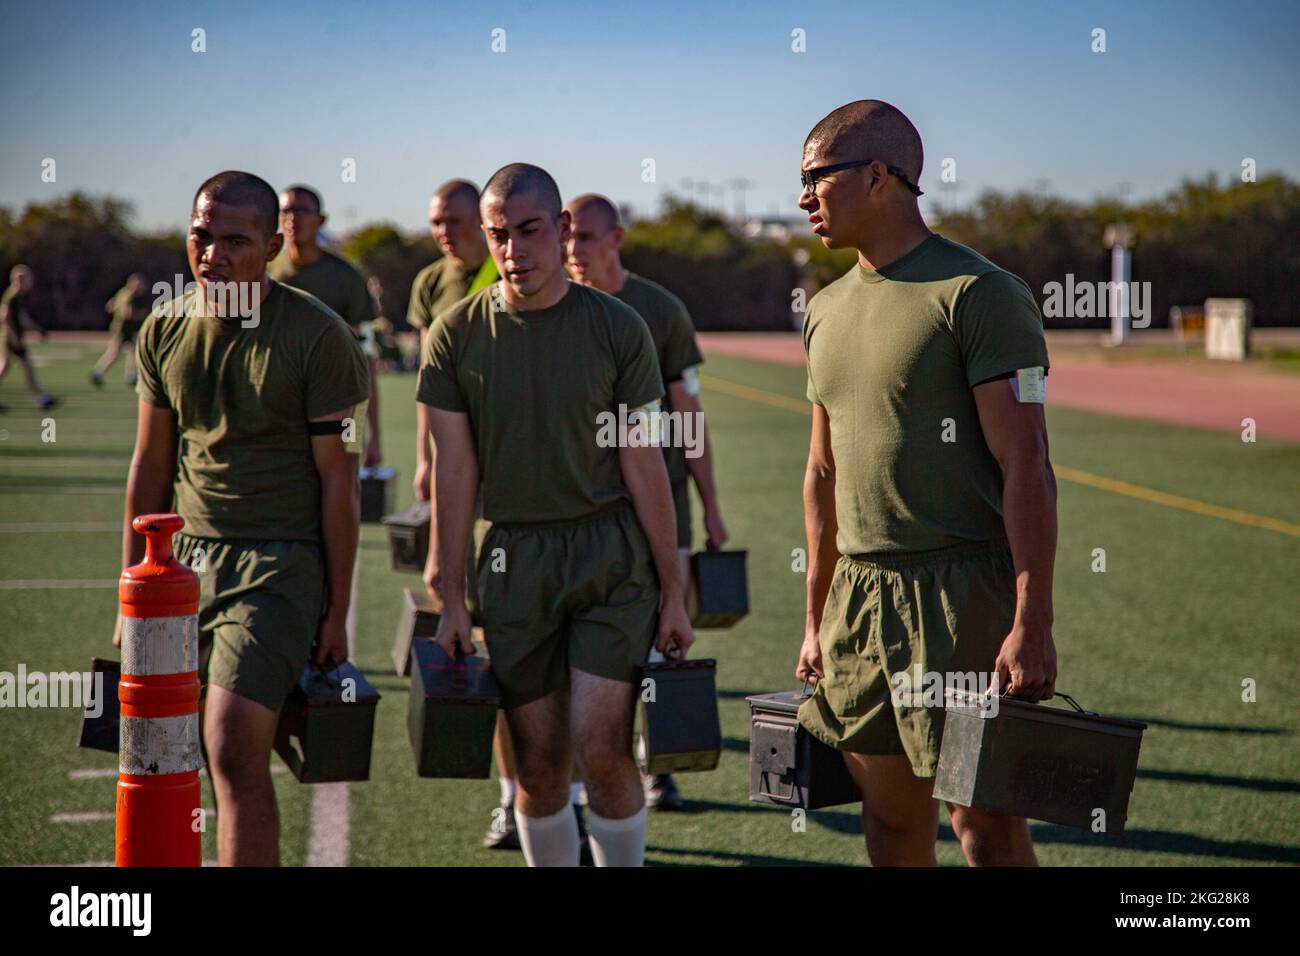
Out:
{"x": 1067, "y": 698}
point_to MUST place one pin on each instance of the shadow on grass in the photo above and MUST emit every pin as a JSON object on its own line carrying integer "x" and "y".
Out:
{"x": 691, "y": 858}
{"x": 1204, "y": 728}
{"x": 1165, "y": 841}
{"x": 1219, "y": 780}
{"x": 1137, "y": 840}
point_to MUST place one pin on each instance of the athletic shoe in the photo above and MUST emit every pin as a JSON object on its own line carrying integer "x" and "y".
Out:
{"x": 46, "y": 402}
{"x": 661, "y": 792}
{"x": 96, "y": 380}
{"x": 503, "y": 834}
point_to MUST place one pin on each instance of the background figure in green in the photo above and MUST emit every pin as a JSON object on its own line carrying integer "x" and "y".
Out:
{"x": 129, "y": 307}
{"x": 13, "y": 317}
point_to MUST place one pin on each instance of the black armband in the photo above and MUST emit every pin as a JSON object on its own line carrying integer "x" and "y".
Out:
{"x": 326, "y": 428}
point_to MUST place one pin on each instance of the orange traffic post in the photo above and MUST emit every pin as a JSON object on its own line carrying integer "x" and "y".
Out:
{"x": 158, "y": 796}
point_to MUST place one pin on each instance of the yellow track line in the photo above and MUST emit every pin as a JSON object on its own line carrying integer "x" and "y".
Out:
{"x": 1140, "y": 492}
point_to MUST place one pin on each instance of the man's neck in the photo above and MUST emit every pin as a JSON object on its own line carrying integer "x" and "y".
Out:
{"x": 888, "y": 245}
{"x": 304, "y": 255}
{"x": 612, "y": 280}
{"x": 472, "y": 262}
{"x": 545, "y": 297}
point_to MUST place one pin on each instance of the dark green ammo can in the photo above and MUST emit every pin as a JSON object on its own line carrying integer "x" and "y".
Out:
{"x": 327, "y": 725}
{"x": 1037, "y": 761}
{"x": 789, "y": 766}
{"x": 376, "y": 493}
{"x": 452, "y": 712}
{"x": 408, "y": 537}
{"x": 680, "y": 725}
{"x": 101, "y": 732}
{"x": 719, "y": 593}
{"x": 419, "y": 619}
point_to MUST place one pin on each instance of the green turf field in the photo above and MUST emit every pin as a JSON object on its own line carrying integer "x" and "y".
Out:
{"x": 1188, "y": 607}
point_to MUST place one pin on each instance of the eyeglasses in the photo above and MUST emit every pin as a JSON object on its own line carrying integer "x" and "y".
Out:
{"x": 810, "y": 177}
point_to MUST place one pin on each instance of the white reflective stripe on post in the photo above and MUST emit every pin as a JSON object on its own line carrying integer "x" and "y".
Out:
{"x": 160, "y": 645}
{"x": 154, "y": 745}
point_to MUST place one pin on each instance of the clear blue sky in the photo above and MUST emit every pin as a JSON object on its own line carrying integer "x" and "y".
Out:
{"x": 413, "y": 93}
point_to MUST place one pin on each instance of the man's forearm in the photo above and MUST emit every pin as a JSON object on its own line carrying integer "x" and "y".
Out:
{"x": 1029, "y": 511}
{"x": 340, "y": 502}
{"x": 652, "y": 498}
{"x": 456, "y": 487}
{"x": 372, "y": 410}
{"x": 423, "y": 441}
{"x": 701, "y": 466}
{"x": 820, "y": 529}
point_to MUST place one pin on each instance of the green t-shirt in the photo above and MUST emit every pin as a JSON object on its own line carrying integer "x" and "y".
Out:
{"x": 674, "y": 337}
{"x": 437, "y": 287}
{"x": 333, "y": 280}
{"x": 892, "y": 356}
{"x": 13, "y": 306}
{"x": 534, "y": 385}
{"x": 242, "y": 398}
{"x": 129, "y": 310}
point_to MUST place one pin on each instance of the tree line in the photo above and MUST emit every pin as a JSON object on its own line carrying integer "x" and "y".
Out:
{"x": 1201, "y": 239}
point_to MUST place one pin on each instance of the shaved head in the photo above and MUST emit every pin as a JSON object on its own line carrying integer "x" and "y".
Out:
{"x": 234, "y": 188}
{"x": 520, "y": 178}
{"x": 604, "y": 210}
{"x": 457, "y": 189}
{"x": 869, "y": 129}
{"x": 298, "y": 189}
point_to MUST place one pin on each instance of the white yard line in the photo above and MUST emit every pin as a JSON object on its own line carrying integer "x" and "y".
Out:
{"x": 97, "y": 863}
{"x": 59, "y": 527}
{"x": 38, "y": 584}
{"x": 330, "y": 840}
{"x": 96, "y": 816}
{"x": 104, "y": 773}
{"x": 79, "y": 490}
{"x": 120, "y": 461}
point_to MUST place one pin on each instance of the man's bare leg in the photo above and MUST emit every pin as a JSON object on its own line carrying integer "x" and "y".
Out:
{"x": 108, "y": 358}
{"x": 992, "y": 839}
{"x": 239, "y": 734}
{"x": 32, "y": 383}
{"x": 539, "y": 730}
{"x": 602, "y": 712}
{"x": 900, "y": 817}
{"x": 503, "y": 748}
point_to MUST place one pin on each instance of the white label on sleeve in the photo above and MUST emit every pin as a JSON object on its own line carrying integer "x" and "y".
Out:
{"x": 691, "y": 380}
{"x": 1030, "y": 385}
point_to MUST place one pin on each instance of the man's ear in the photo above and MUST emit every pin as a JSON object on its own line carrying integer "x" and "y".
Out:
{"x": 274, "y": 246}
{"x": 323, "y": 219}
{"x": 618, "y": 237}
{"x": 566, "y": 226}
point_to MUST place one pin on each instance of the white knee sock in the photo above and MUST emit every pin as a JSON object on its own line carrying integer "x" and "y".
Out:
{"x": 507, "y": 791}
{"x": 617, "y": 842}
{"x": 576, "y": 793}
{"x": 549, "y": 841}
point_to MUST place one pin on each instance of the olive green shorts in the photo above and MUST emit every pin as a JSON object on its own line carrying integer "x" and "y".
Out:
{"x": 260, "y": 604}
{"x": 938, "y": 613}
{"x": 682, "y": 504}
{"x": 579, "y": 595}
{"x": 477, "y": 533}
